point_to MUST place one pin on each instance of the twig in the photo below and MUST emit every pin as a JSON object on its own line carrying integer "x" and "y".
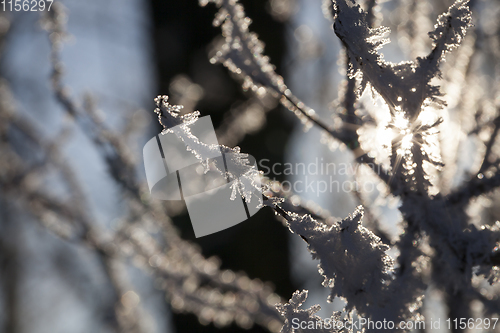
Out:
{"x": 486, "y": 162}
{"x": 474, "y": 188}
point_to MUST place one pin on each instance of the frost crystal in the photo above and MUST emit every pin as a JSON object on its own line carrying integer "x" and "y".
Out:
{"x": 245, "y": 175}
{"x": 295, "y": 316}
{"x": 243, "y": 53}
{"x": 353, "y": 261}
{"x": 409, "y": 79}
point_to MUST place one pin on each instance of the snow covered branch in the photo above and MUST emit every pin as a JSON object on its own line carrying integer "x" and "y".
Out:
{"x": 242, "y": 53}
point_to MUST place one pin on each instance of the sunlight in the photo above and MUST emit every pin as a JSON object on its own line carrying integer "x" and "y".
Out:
{"x": 427, "y": 116}
{"x": 400, "y": 129}
{"x": 400, "y": 122}
{"x": 407, "y": 141}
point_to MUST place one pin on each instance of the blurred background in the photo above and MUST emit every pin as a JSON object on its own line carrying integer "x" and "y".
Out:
{"x": 72, "y": 79}
{"x": 83, "y": 248}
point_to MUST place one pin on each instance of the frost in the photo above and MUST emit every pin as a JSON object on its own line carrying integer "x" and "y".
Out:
{"x": 355, "y": 266}
{"x": 451, "y": 27}
{"x": 352, "y": 259}
{"x": 245, "y": 176}
{"x": 293, "y": 315}
{"x": 243, "y": 53}
{"x": 405, "y": 87}
{"x": 390, "y": 80}
{"x": 449, "y": 239}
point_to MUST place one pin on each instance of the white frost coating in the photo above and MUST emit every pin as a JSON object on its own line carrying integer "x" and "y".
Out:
{"x": 294, "y": 316}
{"x": 356, "y": 267}
{"x": 245, "y": 176}
{"x": 353, "y": 261}
{"x": 243, "y": 53}
{"x": 403, "y": 86}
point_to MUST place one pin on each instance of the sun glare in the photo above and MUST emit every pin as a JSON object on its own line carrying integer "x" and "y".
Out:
{"x": 427, "y": 116}
{"x": 401, "y": 129}
{"x": 407, "y": 141}
{"x": 400, "y": 122}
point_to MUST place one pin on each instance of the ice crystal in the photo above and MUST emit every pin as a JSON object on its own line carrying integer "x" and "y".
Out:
{"x": 245, "y": 176}
{"x": 295, "y": 318}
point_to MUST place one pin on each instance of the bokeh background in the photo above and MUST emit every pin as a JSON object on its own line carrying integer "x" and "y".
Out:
{"x": 76, "y": 108}
{"x": 118, "y": 56}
